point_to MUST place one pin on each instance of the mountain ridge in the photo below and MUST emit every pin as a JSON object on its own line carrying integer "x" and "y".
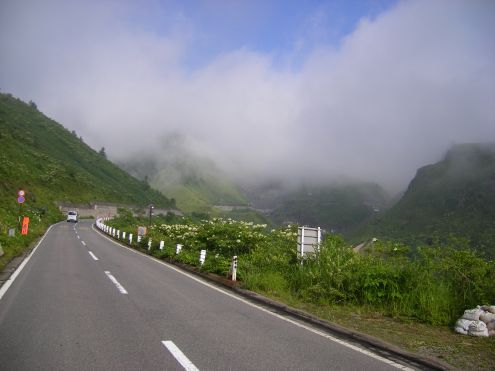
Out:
{"x": 451, "y": 199}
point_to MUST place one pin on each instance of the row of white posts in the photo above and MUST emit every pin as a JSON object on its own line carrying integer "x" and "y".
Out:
{"x": 116, "y": 234}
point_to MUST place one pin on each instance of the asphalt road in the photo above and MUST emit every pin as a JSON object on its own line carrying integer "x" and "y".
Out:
{"x": 82, "y": 302}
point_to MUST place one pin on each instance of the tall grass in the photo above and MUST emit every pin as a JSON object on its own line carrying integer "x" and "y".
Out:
{"x": 435, "y": 285}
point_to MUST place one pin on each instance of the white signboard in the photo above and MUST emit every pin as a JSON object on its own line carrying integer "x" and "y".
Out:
{"x": 308, "y": 240}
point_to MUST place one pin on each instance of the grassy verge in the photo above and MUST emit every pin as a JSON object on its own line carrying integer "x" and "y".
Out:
{"x": 16, "y": 245}
{"x": 460, "y": 351}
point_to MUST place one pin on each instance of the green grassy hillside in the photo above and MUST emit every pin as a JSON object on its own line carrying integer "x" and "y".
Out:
{"x": 52, "y": 164}
{"x": 338, "y": 208}
{"x": 200, "y": 193}
{"x": 195, "y": 183}
{"x": 454, "y": 198}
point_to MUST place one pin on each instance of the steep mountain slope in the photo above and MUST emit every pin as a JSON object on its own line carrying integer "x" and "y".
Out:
{"x": 452, "y": 198}
{"x": 52, "y": 164}
{"x": 195, "y": 183}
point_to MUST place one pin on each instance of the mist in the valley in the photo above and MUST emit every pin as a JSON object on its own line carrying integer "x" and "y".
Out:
{"x": 390, "y": 97}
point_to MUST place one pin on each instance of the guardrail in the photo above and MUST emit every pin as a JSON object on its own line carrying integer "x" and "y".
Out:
{"x": 121, "y": 237}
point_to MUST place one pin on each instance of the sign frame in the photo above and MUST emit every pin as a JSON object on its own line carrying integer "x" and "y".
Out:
{"x": 308, "y": 240}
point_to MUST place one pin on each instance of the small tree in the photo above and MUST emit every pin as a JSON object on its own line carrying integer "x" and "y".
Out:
{"x": 102, "y": 152}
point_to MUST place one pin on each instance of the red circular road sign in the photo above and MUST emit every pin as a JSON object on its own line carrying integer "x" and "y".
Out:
{"x": 20, "y": 199}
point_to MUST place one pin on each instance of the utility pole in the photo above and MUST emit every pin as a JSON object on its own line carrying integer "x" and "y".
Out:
{"x": 151, "y": 213}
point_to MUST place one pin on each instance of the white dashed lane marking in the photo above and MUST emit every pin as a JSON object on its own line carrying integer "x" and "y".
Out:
{"x": 116, "y": 283}
{"x": 179, "y": 356}
{"x": 93, "y": 255}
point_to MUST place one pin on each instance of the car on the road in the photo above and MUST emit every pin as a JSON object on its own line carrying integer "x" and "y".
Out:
{"x": 72, "y": 216}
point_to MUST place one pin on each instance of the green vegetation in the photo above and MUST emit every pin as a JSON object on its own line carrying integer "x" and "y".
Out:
{"x": 195, "y": 183}
{"x": 453, "y": 199}
{"x": 434, "y": 286}
{"x": 53, "y": 165}
{"x": 246, "y": 215}
{"x": 339, "y": 208}
{"x": 200, "y": 193}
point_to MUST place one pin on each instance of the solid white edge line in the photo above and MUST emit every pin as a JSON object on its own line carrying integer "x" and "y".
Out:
{"x": 92, "y": 255}
{"x": 14, "y": 275}
{"x": 238, "y": 298}
{"x": 179, "y": 356}
{"x": 116, "y": 283}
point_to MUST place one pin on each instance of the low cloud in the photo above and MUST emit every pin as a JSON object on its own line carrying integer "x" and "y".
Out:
{"x": 391, "y": 97}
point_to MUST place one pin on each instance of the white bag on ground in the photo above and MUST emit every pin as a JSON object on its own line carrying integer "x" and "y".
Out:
{"x": 487, "y": 317}
{"x": 462, "y": 326}
{"x": 472, "y": 314}
{"x": 478, "y": 328}
{"x": 491, "y": 309}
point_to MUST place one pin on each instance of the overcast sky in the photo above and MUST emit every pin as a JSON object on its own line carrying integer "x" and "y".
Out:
{"x": 369, "y": 89}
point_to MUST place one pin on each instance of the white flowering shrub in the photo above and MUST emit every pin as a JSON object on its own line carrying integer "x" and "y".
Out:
{"x": 226, "y": 237}
{"x": 261, "y": 250}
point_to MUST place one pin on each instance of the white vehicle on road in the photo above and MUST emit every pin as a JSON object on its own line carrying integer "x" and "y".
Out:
{"x": 72, "y": 216}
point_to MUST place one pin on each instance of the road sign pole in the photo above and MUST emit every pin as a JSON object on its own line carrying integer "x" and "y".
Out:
{"x": 19, "y": 217}
{"x": 20, "y": 201}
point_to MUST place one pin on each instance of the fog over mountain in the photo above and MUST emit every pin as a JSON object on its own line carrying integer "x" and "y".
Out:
{"x": 375, "y": 103}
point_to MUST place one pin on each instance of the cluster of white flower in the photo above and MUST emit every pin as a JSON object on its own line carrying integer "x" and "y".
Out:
{"x": 178, "y": 232}
{"x": 285, "y": 233}
{"x": 223, "y": 233}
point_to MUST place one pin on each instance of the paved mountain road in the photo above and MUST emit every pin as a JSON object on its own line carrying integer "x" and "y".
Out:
{"x": 82, "y": 302}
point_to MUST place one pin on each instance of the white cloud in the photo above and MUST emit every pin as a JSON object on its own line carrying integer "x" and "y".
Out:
{"x": 393, "y": 97}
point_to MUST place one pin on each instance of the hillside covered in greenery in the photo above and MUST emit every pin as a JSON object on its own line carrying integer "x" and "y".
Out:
{"x": 452, "y": 199}
{"x": 194, "y": 182}
{"x": 339, "y": 208}
{"x": 51, "y": 164}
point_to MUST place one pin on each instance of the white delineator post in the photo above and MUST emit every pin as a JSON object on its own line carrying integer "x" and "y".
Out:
{"x": 178, "y": 248}
{"x": 233, "y": 268}
{"x": 118, "y": 234}
{"x": 202, "y": 256}
{"x": 138, "y": 238}
{"x": 123, "y": 235}
{"x": 319, "y": 238}
{"x": 130, "y": 238}
{"x": 161, "y": 245}
{"x": 302, "y": 242}
{"x": 149, "y": 244}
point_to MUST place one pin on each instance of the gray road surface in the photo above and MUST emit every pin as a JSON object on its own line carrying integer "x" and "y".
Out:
{"x": 68, "y": 311}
